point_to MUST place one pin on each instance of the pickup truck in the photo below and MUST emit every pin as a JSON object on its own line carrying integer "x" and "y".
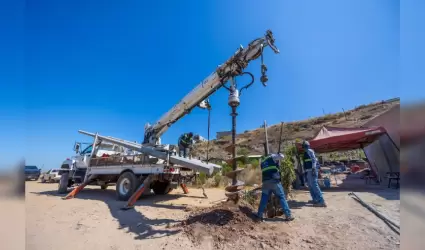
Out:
{"x": 32, "y": 173}
{"x": 51, "y": 176}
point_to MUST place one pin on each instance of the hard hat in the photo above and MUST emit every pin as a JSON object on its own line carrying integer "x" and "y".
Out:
{"x": 277, "y": 157}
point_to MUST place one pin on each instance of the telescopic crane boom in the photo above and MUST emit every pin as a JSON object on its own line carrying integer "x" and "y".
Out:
{"x": 231, "y": 68}
{"x": 197, "y": 97}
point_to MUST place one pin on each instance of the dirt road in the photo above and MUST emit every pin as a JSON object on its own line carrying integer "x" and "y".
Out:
{"x": 93, "y": 220}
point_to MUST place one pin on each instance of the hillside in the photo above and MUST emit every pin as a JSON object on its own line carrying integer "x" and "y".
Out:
{"x": 252, "y": 141}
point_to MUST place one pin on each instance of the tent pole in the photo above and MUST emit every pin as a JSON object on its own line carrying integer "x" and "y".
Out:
{"x": 368, "y": 161}
{"x": 367, "y": 157}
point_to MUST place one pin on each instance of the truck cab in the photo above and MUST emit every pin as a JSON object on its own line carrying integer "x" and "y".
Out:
{"x": 104, "y": 149}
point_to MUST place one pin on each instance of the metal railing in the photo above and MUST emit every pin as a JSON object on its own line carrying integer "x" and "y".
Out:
{"x": 114, "y": 160}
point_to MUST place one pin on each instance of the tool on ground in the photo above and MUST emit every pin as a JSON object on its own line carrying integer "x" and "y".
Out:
{"x": 394, "y": 226}
{"x": 159, "y": 160}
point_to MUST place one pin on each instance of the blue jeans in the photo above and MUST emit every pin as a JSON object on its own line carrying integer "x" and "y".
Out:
{"x": 313, "y": 185}
{"x": 276, "y": 188}
{"x": 183, "y": 150}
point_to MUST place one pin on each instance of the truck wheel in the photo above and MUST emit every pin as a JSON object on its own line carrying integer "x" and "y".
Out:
{"x": 42, "y": 180}
{"x": 63, "y": 183}
{"x": 161, "y": 187}
{"x": 126, "y": 185}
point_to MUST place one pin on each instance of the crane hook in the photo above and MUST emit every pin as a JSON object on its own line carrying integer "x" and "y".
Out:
{"x": 264, "y": 77}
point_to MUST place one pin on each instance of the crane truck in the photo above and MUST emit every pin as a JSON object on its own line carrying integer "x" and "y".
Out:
{"x": 154, "y": 166}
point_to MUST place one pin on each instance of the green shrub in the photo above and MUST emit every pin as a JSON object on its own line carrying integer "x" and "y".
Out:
{"x": 287, "y": 169}
{"x": 254, "y": 162}
{"x": 226, "y": 168}
{"x": 217, "y": 180}
{"x": 202, "y": 178}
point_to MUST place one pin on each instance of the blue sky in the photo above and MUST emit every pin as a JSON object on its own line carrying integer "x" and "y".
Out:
{"x": 112, "y": 66}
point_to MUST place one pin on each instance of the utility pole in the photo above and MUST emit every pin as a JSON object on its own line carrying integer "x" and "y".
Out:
{"x": 266, "y": 142}
{"x": 345, "y": 115}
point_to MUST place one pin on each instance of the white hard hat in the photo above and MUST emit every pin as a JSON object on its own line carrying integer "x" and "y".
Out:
{"x": 278, "y": 157}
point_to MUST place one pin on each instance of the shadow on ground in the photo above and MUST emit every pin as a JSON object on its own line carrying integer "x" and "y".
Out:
{"x": 353, "y": 183}
{"x": 294, "y": 204}
{"x": 132, "y": 220}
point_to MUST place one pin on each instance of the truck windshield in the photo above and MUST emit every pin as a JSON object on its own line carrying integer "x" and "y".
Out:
{"x": 31, "y": 167}
{"x": 87, "y": 150}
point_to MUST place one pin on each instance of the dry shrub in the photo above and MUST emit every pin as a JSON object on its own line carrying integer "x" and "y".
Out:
{"x": 365, "y": 117}
{"x": 251, "y": 176}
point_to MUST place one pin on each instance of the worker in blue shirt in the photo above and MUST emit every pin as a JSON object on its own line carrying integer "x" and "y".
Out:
{"x": 310, "y": 167}
{"x": 272, "y": 184}
{"x": 185, "y": 142}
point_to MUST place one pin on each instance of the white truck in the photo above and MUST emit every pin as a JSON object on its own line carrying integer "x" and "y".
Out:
{"x": 152, "y": 165}
{"x": 110, "y": 164}
{"x": 53, "y": 175}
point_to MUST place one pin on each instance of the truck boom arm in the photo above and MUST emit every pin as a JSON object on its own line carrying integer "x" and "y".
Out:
{"x": 231, "y": 68}
{"x": 194, "y": 164}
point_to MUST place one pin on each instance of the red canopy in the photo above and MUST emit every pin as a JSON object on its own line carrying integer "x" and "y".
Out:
{"x": 331, "y": 139}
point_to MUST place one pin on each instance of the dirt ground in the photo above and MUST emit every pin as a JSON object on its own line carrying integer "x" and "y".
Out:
{"x": 93, "y": 220}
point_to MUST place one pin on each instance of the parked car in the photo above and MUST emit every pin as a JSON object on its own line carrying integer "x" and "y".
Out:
{"x": 32, "y": 173}
{"x": 51, "y": 176}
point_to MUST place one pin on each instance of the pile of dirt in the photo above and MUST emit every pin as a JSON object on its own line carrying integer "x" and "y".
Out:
{"x": 230, "y": 226}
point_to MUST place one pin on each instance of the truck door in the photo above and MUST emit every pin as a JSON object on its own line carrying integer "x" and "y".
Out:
{"x": 82, "y": 160}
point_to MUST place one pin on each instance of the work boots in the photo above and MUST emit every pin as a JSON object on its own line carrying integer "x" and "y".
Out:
{"x": 289, "y": 218}
{"x": 322, "y": 204}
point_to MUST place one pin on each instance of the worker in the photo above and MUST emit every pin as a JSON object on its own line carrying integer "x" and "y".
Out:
{"x": 185, "y": 142}
{"x": 272, "y": 184}
{"x": 310, "y": 166}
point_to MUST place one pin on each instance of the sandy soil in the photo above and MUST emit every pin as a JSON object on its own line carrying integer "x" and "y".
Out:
{"x": 93, "y": 220}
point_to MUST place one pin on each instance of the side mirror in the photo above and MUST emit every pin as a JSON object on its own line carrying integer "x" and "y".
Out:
{"x": 77, "y": 148}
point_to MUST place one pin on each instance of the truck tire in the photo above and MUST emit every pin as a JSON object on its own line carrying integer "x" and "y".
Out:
{"x": 63, "y": 183}
{"x": 161, "y": 188}
{"x": 126, "y": 185}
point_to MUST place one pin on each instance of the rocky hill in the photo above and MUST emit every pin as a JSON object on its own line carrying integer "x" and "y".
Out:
{"x": 251, "y": 142}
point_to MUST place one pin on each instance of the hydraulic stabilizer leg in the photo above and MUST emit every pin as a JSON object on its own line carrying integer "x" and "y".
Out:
{"x": 184, "y": 188}
{"x": 136, "y": 195}
{"x": 80, "y": 187}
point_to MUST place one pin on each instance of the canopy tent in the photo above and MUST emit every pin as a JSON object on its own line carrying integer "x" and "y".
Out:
{"x": 330, "y": 139}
